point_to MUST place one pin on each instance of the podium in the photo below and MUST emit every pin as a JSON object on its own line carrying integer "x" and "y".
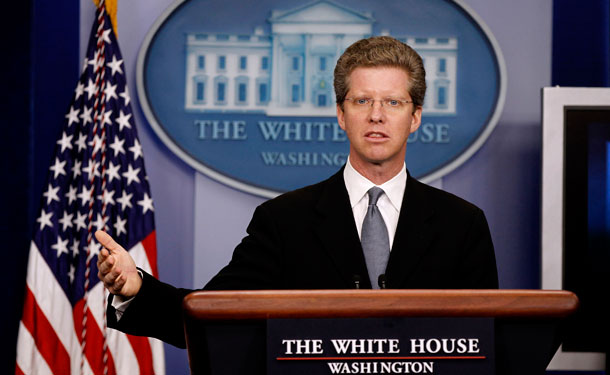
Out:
{"x": 226, "y": 331}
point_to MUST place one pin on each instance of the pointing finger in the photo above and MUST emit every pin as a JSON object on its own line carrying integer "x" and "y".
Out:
{"x": 106, "y": 240}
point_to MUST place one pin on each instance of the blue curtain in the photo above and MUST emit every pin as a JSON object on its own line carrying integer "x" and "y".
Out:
{"x": 581, "y": 43}
{"x": 38, "y": 72}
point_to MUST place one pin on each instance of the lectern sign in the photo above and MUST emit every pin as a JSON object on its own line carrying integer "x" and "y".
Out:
{"x": 381, "y": 346}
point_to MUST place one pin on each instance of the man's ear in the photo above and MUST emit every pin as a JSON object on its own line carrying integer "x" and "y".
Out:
{"x": 415, "y": 119}
{"x": 340, "y": 117}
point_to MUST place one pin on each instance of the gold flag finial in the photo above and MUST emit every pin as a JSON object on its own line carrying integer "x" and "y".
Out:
{"x": 111, "y": 8}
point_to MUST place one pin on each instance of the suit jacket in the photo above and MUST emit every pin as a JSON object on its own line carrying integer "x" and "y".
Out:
{"x": 307, "y": 239}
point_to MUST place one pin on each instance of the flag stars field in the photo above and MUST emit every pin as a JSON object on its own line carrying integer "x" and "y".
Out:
{"x": 100, "y": 222}
{"x": 91, "y": 169}
{"x": 51, "y": 194}
{"x": 119, "y": 225}
{"x": 85, "y": 195}
{"x": 80, "y": 90}
{"x": 125, "y": 200}
{"x": 136, "y": 150}
{"x": 61, "y": 246}
{"x": 107, "y": 197}
{"x": 131, "y": 175}
{"x": 76, "y": 169}
{"x": 66, "y": 221}
{"x": 112, "y": 172}
{"x": 75, "y": 248}
{"x": 146, "y": 203}
{"x": 123, "y": 120}
{"x": 106, "y": 119}
{"x": 117, "y": 146}
{"x": 106, "y": 35}
{"x": 73, "y": 115}
{"x": 81, "y": 142}
{"x": 45, "y": 219}
{"x": 125, "y": 96}
{"x": 58, "y": 168}
{"x": 71, "y": 273}
{"x": 86, "y": 115}
{"x": 96, "y": 143}
{"x": 71, "y": 194}
{"x": 65, "y": 142}
{"x": 110, "y": 92}
{"x": 115, "y": 65}
{"x": 79, "y": 221}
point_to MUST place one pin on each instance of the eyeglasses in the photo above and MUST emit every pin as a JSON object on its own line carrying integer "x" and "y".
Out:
{"x": 391, "y": 104}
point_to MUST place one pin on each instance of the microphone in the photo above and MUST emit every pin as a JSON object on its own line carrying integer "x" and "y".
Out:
{"x": 356, "y": 279}
{"x": 382, "y": 281}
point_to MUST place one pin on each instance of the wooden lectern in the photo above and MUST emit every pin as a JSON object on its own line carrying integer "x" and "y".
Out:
{"x": 226, "y": 331}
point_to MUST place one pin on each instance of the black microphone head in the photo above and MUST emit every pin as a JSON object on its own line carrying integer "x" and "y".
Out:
{"x": 381, "y": 281}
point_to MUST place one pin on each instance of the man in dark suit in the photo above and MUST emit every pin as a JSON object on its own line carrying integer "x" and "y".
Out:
{"x": 319, "y": 237}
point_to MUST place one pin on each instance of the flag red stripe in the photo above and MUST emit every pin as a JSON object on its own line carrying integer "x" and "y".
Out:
{"x": 150, "y": 246}
{"x": 47, "y": 342}
{"x": 141, "y": 346}
{"x": 95, "y": 341}
{"x": 18, "y": 370}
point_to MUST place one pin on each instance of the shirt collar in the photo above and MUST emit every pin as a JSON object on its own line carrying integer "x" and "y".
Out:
{"x": 357, "y": 185}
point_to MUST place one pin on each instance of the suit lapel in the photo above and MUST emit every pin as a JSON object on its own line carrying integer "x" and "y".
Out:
{"x": 337, "y": 231}
{"x": 414, "y": 234}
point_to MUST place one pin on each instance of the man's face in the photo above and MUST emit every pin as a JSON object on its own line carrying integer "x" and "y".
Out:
{"x": 378, "y": 134}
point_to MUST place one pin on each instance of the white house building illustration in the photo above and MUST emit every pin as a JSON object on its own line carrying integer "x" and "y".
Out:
{"x": 289, "y": 72}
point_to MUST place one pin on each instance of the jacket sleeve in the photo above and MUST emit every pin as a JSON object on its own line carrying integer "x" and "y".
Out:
{"x": 156, "y": 311}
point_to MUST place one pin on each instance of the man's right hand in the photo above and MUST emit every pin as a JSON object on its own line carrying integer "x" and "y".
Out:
{"x": 116, "y": 268}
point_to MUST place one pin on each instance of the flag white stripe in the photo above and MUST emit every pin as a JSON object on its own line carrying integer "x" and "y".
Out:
{"x": 139, "y": 256}
{"x": 54, "y": 304}
{"x": 158, "y": 354}
{"x": 86, "y": 370}
{"x": 123, "y": 353}
{"x": 28, "y": 358}
{"x": 138, "y": 253}
{"x": 118, "y": 344}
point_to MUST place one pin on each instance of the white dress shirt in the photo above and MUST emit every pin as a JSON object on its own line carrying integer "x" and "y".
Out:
{"x": 389, "y": 204}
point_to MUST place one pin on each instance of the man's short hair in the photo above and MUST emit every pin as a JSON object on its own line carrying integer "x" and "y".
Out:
{"x": 381, "y": 51}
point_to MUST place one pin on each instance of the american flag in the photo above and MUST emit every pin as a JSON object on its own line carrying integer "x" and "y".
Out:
{"x": 96, "y": 181}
